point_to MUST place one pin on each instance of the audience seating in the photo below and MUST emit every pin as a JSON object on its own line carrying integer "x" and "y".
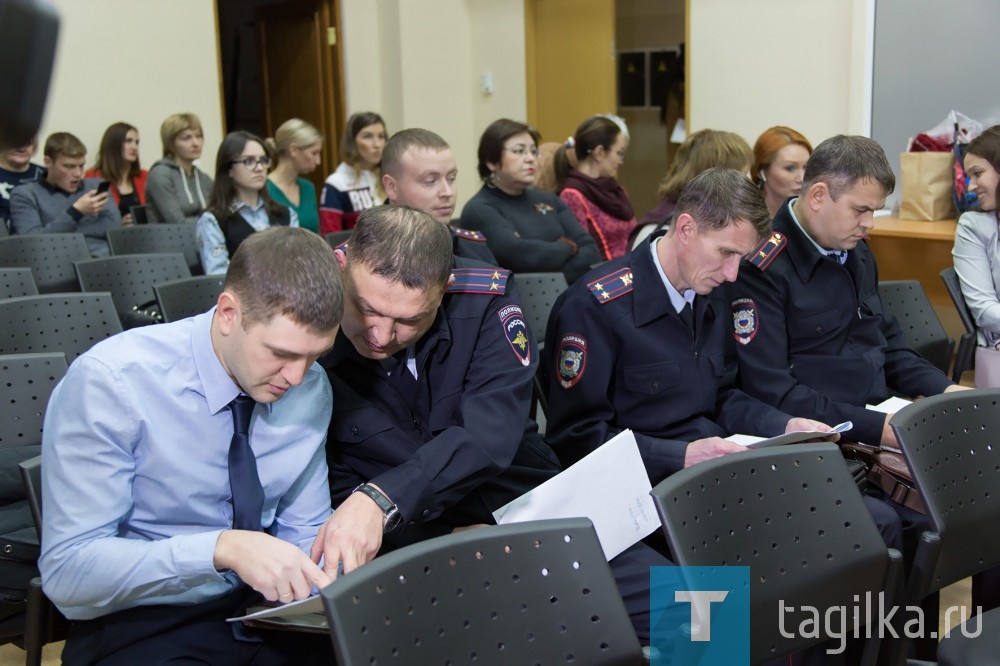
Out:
{"x": 530, "y": 593}
{"x": 16, "y": 282}
{"x": 49, "y": 256}
{"x": 950, "y": 443}
{"x": 180, "y": 299}
{"x": 539, "y": 292}
{"x": 158, "y": 239}
{"x": 130, "y": 277}
{"x": 795, "y": 516}
{"x": 965, "y": 357}
{"x": 335, "y": 238}
{"x": 68, "y": 323}
{"x": 906, "y": 300}
{"x": 44, "y": 623}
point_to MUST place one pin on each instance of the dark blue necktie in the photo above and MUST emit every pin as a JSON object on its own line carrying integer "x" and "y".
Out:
{"x": 248, "y": 495}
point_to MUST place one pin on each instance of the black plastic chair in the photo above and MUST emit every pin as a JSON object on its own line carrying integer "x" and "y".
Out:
{"x": 130, "y": 277}
{"x": 16, "y": 282}
{"x": 539, "y": 292}
{"x": 965, "y": 357}
{"x": 43, "y": 623}
{"x": 336, "y": 238}
{"x": 158, "y": 239}
{"x": 530, "y": 593}
{"x": 187, "y": 297}
{"x": 951, "y": 445}
{"x": 27, "y": 383}
{"x": 794, "y": 515}
{"x": 49, "y": 256}
{"x": 68, "y": 323}
{"x": 906, "y": 300}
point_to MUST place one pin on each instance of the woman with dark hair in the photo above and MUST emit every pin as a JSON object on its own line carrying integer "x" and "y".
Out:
{"x": 356, "y": 185}
{"x": 977, "y": 241}
{"x": 239, "y": 203}
{"x": 779, "y": 163}
{"x": 118, "y": 162}
{"x": 527, "y": 229}
{"x": 591, "y": 189}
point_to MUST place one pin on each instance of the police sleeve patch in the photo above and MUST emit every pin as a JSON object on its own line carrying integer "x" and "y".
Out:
{"x": 492, "y": 281}
{"x": 468, "y": 234}
{"x": 516, "y": 331}
{"x": 612, "y": 285}
{"x": 745, "y": 321}
{"x": 571, "y": 359}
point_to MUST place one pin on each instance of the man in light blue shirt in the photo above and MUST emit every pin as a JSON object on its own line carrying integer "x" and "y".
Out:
{"x": 138, "y": 541}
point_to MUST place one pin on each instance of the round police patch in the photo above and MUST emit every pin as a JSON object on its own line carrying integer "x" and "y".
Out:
{"x": 512, "y": 320}
{"x": 571, "y": 360}
{"x": 745, "y": 321}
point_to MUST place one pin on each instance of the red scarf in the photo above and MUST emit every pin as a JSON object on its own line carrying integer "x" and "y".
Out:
{"x": 606, "y": 193}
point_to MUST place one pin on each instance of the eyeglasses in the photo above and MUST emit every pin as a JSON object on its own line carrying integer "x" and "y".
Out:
{"x": 521, "y": 151}
{"x": 254, "y": 162}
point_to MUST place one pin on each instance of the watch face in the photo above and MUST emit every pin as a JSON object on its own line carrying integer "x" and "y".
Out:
{"x": 392, "y": 520}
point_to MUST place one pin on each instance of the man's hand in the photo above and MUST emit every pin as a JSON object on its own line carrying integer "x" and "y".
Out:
{"x": 888, "y": 436}
{"x": 352, "y": 535}
{"x": 708, "y": 448}
{"x": 275, "y": 568}
{"x": 91, "y": 203}
{"x": 804, "y": 425}
{"x": 957, "y": 387}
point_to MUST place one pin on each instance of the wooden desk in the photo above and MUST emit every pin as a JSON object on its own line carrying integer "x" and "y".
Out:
{"x": 915, "y": 250}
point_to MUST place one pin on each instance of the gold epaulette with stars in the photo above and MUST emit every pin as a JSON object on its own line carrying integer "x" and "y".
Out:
{"x": 612, "y": 285}
{"x": 468, "y": 234}
{"x": 762, "y": 255}
{"x": 479, "y": 281}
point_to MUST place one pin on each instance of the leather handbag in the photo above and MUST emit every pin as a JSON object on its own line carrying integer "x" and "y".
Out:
{"x": 888, "y": 471}
{"x": 143, "y": 314}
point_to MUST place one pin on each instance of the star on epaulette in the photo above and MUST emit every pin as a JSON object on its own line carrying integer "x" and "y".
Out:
{"x": 479, "y": 281}
{"x": 612, "y": 285}
{"x": 468, "y": 234}
{"x": 768, "y": 250}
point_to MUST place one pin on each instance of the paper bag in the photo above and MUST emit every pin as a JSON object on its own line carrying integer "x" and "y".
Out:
{"x": 926, "y": 186}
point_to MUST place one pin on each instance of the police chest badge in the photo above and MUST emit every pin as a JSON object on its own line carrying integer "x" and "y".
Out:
{"x": 516, "y": 331}
{"x": 572, "y": 359}
{"x": 744, "y": 320}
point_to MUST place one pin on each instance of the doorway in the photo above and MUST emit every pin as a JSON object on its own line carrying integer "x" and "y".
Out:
{"x": 281, "y": 59}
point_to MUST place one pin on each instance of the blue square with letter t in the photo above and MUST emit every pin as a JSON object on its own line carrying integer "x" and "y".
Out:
{"x": 700, "y": 615}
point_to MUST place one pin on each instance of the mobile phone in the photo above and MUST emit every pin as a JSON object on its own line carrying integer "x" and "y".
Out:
{"x": 103, "y": 186}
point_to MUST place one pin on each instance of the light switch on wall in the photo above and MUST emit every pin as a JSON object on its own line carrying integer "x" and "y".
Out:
{"x": 486, "y": 82}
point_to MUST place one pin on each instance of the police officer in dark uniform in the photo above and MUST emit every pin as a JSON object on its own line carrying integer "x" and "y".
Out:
{"x": 812, "y": 334}
{"x": 431, "y": 375}
{"x": 419, "y": 170}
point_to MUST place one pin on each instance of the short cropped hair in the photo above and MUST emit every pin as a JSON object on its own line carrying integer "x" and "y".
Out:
{"x": 719, "y": 197}
{"x": 65, "y": 144}
{"x": 349, "y": 141}
{"x": 402, "y": 141}
{"x": 841, "y": 161}
{"x": 402, "y": 245}
{"x": 493, "y": 139}
{"x": 172, "y": 128}
{"x": 288, "y": 271}
{"x": 769, "y": 143}
{"x": 702, "y": 150}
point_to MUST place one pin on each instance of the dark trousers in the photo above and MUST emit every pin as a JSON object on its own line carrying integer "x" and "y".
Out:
{"x": 192, "y": 634}
{"x": 631, "y": 571}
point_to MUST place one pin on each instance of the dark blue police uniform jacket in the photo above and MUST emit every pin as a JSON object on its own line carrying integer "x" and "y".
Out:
{"x": 458, "y": 443}
{"x": 814, "y": 339}
{"x": 471, "y": 245}
{"x": 617, "y": 356}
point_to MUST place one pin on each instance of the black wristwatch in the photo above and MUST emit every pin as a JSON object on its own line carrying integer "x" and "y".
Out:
{"x": 392, "y": 515}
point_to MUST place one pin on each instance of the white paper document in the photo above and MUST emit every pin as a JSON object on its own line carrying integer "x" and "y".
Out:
{"x": 301, "y": 607}
{"x": 890, "y": 406}
{"x": 610, "y": 486}
{"x": 752, "y": 442}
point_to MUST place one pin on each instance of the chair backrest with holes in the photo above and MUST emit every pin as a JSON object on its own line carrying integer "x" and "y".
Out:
{"x": 49, "y": 256}
{"x": 130, "y": 277}
{"x": 187, "y": 297}
{"x": 16, "y": 282}
{"x": 68, "y": 323}
{"x": 26, "y": 382}
{"x": 158, "y": 239}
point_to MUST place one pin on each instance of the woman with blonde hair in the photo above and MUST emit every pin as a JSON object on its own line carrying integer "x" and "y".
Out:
{"x": 298, "y": 148}
{"x": 702, "y": 150}
{"x": 177, "y": 190}
{"x": 356, "y": 185}
{"x": 779, "y": 164}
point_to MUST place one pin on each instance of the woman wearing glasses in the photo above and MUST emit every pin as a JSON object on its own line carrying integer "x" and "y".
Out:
{"x": 176, "y": 189}
{"x": 591, "y": 188}
{"x": 239, "y": 204}
{"x": 528, "y": 230}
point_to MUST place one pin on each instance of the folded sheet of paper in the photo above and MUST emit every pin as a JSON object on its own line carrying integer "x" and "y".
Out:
{"x": 296, "y": 608}
{"x": 890, "y": 406}
{"x": 610, "y": 486}
{"x": 752, "y": 442}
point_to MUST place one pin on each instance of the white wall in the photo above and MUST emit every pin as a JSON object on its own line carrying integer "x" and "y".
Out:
{"x": 419, "y": 63}
{"x": 136, "y": 62}
{"x": 779, "y": 62}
